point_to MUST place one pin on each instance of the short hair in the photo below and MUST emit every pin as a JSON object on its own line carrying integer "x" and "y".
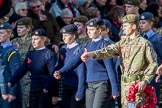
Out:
{"x": 20, "y": 5}
{"x": 92, "y": 12}
{"x": 115, "y": 12}
{"x": 66, "y": 11}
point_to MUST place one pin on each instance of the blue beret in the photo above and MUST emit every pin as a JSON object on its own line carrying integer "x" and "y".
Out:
{"x": 107, "y": 23}
{"x": 147, "y": 16}
{"x": 5, "y": 26}
{"x": 95, "y": 22}
{"x": 39, "y": 32}
{"x": 69, "y": 28}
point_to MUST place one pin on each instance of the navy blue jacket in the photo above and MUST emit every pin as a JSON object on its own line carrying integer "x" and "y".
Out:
{"x": 156, "y": 41}
{"x": 10, "y": 61}
{"x": 41, "y": 64}
{"x": 76, "y": 77}
{"x": 97, "y": 70}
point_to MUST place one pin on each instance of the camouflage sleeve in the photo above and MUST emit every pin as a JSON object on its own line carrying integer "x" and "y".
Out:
{"x": 152, "y": 63}
{"x": 108, "y": 52}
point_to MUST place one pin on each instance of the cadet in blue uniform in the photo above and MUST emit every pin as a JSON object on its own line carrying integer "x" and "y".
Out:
{"x": 9, "y": 62}
{"x": 98, "y": 72}
{"x": 40, "y": 63}
{"x": 74, "y": 81}
{"x": 146, "y": 24}
{"x": 106, "y": 32}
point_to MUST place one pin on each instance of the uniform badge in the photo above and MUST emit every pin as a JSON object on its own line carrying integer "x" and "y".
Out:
{"x": 91, "y": 23}
{"x": 29, "y": 61}
{"x": 36, "y": 33}
{"x": 63, "y": 30}
{"x": 142, "y": 17}
{"x": 19, "y": 23}
{"x": 1, "y": 25}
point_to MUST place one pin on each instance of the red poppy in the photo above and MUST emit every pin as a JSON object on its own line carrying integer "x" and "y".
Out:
{"x": 29, "y": 61}
{"x": 62, "y": 57}
{"x": 149, "y": 94}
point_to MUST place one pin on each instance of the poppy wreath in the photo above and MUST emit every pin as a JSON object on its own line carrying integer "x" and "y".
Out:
{"x": 145, "y": 99}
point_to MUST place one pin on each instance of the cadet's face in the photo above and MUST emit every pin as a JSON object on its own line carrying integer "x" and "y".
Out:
{"x": 145, "y": 25}
{"x": 93, "y": 32}
{"x": 22, "y": 30}
{"x": 80, "y": 27}
{"x": 4, "y": 35}
{"x": 68, "y": 38}
{"x": 127, "y": 29}
{"x": 130, "y": 9}
{"x": 37, "y": 41}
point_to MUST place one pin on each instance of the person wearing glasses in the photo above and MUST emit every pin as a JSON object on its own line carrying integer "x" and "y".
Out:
{"x": 21, "y": 9}
{"x": 41, "y": 19}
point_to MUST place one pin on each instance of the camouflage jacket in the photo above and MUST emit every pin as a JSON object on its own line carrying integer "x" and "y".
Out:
{"x": 24, "y": 44}
{"x": 137, "y": 57}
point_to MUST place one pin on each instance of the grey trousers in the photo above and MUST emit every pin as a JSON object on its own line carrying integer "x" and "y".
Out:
{"x": 97, "y": 94}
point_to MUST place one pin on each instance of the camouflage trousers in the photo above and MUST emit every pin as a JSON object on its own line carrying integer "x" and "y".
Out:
{"x": 124, "y": 89}
{"x": 25, "y": 84}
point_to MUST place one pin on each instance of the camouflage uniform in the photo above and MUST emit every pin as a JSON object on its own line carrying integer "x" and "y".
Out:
{"x": 138, "y": 61}
{"x": 24, "y": 45}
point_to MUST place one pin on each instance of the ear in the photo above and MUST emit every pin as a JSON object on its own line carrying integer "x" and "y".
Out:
{"x": 99, "y": 30}
{"x": 107, "y": 30}
{"x": 137, "y": 8}
{"x": 134, "y": 26}
{"x": 151, "y": 23}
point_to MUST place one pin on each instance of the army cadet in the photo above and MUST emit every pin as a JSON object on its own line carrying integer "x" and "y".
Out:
{"x": 146, "y": 27}
{"x": 98, "y": 72}
{"x": 40, "y": 62}
{"x": 80, "y": 22}
{"x": 9, "y": 62}
{"x": 23, "y": 43}
{"x": 132, "y": 6}
{"x": 138, "y": 59}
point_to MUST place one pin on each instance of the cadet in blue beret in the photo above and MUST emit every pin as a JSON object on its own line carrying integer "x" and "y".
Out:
{"x": 5, "y": 26}
{"x": 39, "y": 32}
{"x": 9, "y": 62}
{"x": 71, "y": 28}
{"x": 41, "y": 63}
{"x": 146, "y": 28}
{"x": 98, "y": 72}
{"x": 73, "y": 83}
{"x": 106, "y": 31}
{"x": 95, "y": 22}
